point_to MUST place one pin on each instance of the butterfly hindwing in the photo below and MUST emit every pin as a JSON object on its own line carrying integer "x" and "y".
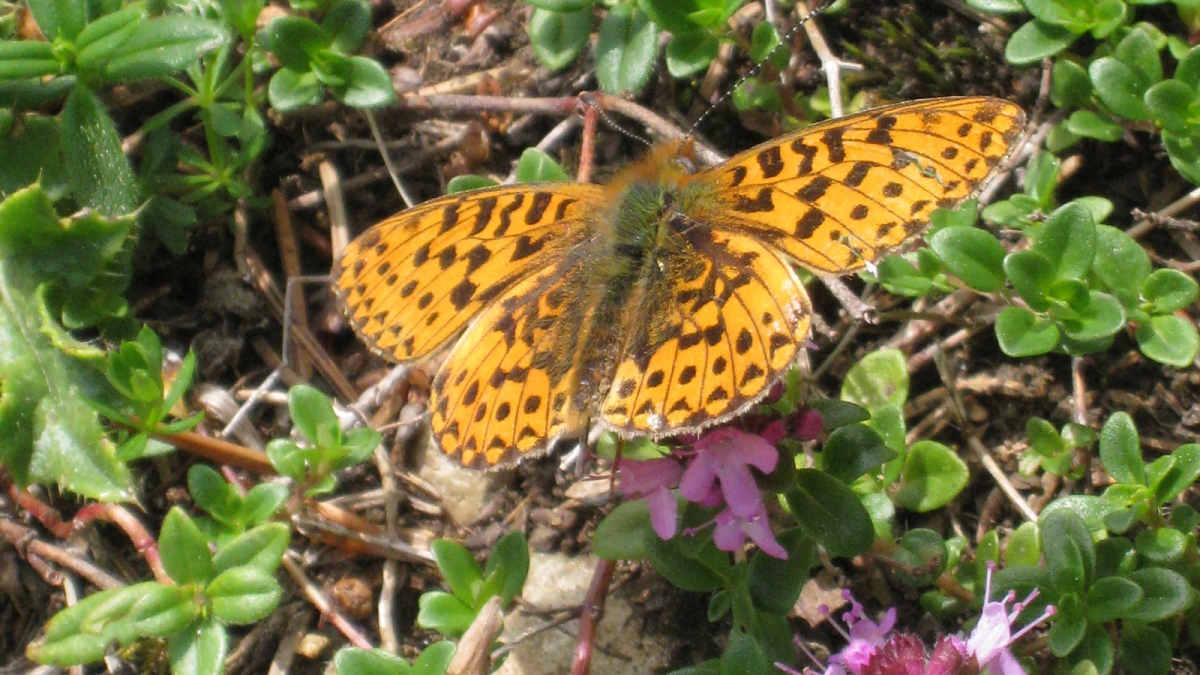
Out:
{"x": 733, "y": 322}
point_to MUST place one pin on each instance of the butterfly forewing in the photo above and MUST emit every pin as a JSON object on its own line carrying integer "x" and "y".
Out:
{"x": 839, "y": 195}
{"x": 412, "y": 283}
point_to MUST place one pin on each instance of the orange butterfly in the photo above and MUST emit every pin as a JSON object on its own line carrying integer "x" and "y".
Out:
{"x": 664, "y": 302}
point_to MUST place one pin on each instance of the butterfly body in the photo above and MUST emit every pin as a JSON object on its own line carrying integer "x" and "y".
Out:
{"x": 664, "y": 302}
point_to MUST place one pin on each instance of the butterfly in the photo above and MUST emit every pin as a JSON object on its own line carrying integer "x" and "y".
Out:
{"x": 664, "y": 302}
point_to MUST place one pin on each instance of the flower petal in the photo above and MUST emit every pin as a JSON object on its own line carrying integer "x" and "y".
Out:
{"x": 727, "y": 534}
{"x": 643, "y": 477}
{"x": 664, "y": 513}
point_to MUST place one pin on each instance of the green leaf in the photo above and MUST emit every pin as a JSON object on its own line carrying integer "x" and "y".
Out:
{"x": 1021, "y": 333}
{"x": 72, "y": 651}
{"x": 1067, "y": 545}
{"x": 1167, "y": 291}
{"x": 367, "y": 85}
{"x": 775, "y": 584}
{"x": 198, "y": 650}
{"x": 33, "y": 154}
{"x": 1031, "y": 274}
{"x": 1070, "y": 625}
{"x": 879, "y": 379}
{"x": 932, "y": 476}
{"x": 27, "y": 59}
{"x": 355, "y": 661}
{"x": 621, "y": 535}
{"x": 295, "y": 41}
{"x": 673, "y": 16}
{"x": 924, "y": 553}
{"x": 1184, "y": 471}
{"x": 561, "y": 6}
{"x": 48, "y": 433}
{"x": 1096, "y": 650}
{"x": 509, "y": 557}
{"x": 1024, "y": 546}
{"x": 243, "y": 595}
{"x": 1100, "y": 316}
{"x": 312, "y": 413}
{"x": 59, "y": 18}
{"x": 1121, "y": 263}
{"x": 293, "y": 89}
{"x": 852, "y": 451}
{"x": 1162, "y": 546}
{"x": 1121, "y": 451}
{"x": 1144, "y": 650}
{"x": 434, "y": 659}
{"x": 535, "y": 166}
{"x": 900, "y": 277}
{"x": 444, "y": 613}
{"x": 973, "y": 255}
{"x": 558, "y": 38}
{"x": 997, "y": 6}
{"x": 1164, "y": 595}
{"x": 212, "y": 493}
{"x": 1069, "y": 84}
{"x": 1035, "y": 41}
{"x": 830, "y": 513}
{"x": 1109, "y": 598}
{"x": 164, "y": 611}
{"x": 1169, "y": 103}
{"x": 184, "y": 549}
{"x": 346, "y": 25}
{"x": 1068, "y": 240}
{"x": 691, "y": 563}
{"x": 97, "y": 169}
{"x": 1137, "y": 50}
{"x": 163, "y": 46}
{"x": 1120, "y": 87}
{"x": 467, "y": 182}
{"x": 261, "y": 547}
{"x": 458, "y": 568}
{"x": 626, "y": 51}
{"x": 1089, "y": 124}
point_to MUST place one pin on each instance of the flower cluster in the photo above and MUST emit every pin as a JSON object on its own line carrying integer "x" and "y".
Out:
{"x": 872, "y": 648}
{"x": 717, "y": 473}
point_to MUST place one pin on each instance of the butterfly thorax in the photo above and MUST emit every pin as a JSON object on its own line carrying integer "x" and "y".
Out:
{"x": 641, "y": 247}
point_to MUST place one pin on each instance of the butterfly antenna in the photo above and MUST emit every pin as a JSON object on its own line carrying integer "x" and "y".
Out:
{"x": 786, "y": 40}
{"x": 611, "y": 123}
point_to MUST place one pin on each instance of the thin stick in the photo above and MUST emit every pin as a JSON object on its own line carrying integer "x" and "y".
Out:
{"x": 590, "y": 615}
{"x": 409, "y": 200}
{"x": 1001, "y": 479}
{"x": 317, "y": 598}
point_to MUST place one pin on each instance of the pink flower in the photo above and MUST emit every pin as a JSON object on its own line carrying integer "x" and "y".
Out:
{"x": 992, "y": 638}
{"x": 809, "y": 424}
{"x": 731, "y": 532}
{"x": 872, "y": 648}
{"x": 652, "y": 480}
{"x": 864, "y": 638}
{"x": 724, "y": 457}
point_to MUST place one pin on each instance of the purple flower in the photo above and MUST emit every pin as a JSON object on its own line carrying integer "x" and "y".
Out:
{"x": 809, "y": 424}
{"x": 873, "y": 649}
{"x": 864, "y": 638}
{"x": 731, "y": 532}
{"x": 725, "y": 456}
{"x": 992, "y": 638}
{"x": 652, "y": 480}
